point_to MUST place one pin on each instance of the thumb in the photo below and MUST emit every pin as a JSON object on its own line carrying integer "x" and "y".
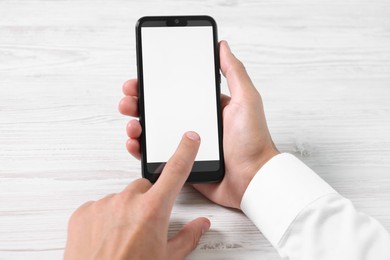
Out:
{"x": 184, "y": 242}
{"x": 239, "y": 83}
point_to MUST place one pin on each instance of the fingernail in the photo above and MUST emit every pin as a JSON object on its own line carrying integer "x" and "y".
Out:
{"x": 193, "y": 136}
{"x": 205, "y": 226}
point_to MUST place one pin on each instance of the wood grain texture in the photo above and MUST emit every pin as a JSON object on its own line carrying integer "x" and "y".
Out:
{"x": 322, "y": 67}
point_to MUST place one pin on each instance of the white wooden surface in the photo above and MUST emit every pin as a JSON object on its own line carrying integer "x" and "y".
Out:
{"x": 323, "y": 68}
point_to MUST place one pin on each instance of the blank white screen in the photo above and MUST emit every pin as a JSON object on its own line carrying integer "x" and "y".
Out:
{"x": 179, "y": 90}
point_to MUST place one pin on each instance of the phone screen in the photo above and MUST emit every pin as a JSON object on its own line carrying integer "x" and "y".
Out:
{"x": 180, "y": 93}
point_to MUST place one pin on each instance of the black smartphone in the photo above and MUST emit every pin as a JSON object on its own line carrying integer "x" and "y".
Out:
{"x": 179, "y": 91}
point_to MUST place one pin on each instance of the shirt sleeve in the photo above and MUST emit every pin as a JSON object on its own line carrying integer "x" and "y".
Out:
{"x": 304, "y": 218}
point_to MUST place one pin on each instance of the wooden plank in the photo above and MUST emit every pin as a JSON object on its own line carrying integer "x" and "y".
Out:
{"x": 322, "y": 68}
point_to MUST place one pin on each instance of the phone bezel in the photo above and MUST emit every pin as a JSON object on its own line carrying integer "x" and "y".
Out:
{"x": 168, "y": 21}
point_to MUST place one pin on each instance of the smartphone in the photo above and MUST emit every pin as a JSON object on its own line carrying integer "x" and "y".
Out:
{"x": 179, "y": 91}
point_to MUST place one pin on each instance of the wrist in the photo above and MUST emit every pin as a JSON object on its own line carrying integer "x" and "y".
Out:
{"x": 255, "y": 167}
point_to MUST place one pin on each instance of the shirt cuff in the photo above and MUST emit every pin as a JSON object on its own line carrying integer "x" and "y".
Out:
{"x": 281, "y": 189}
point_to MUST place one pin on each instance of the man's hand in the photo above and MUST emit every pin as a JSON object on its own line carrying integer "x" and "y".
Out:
{"x": 247, "y": 142}
{"x": 133, "y": 224}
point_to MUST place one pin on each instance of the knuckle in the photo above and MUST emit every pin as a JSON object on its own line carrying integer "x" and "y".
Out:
{"x": 235, "y": 68}
{"x": 74, "y": 218}
{"x": 238, "y": 65}
{"x": 118, "y": 203}
{"x": 256, "y": 97}
{"x": 79, "y": 214}
{"x": 138, "y": 186}
{"x": 120, "y": 200}
{"x": 143, "y": 182}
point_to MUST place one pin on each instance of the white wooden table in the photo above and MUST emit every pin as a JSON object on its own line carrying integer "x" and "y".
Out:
{"x": 323, "y": 68}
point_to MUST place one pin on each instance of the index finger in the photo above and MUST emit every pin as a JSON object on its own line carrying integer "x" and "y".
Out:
{"x": 177, "y": 169}
{"x": 239, "y": 83}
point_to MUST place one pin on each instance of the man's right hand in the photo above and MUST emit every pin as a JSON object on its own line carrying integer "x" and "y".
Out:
{"x": 247, "y": 142}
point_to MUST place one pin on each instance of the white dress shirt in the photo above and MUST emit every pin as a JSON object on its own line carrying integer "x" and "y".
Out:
{"x": 306, "y": 219}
